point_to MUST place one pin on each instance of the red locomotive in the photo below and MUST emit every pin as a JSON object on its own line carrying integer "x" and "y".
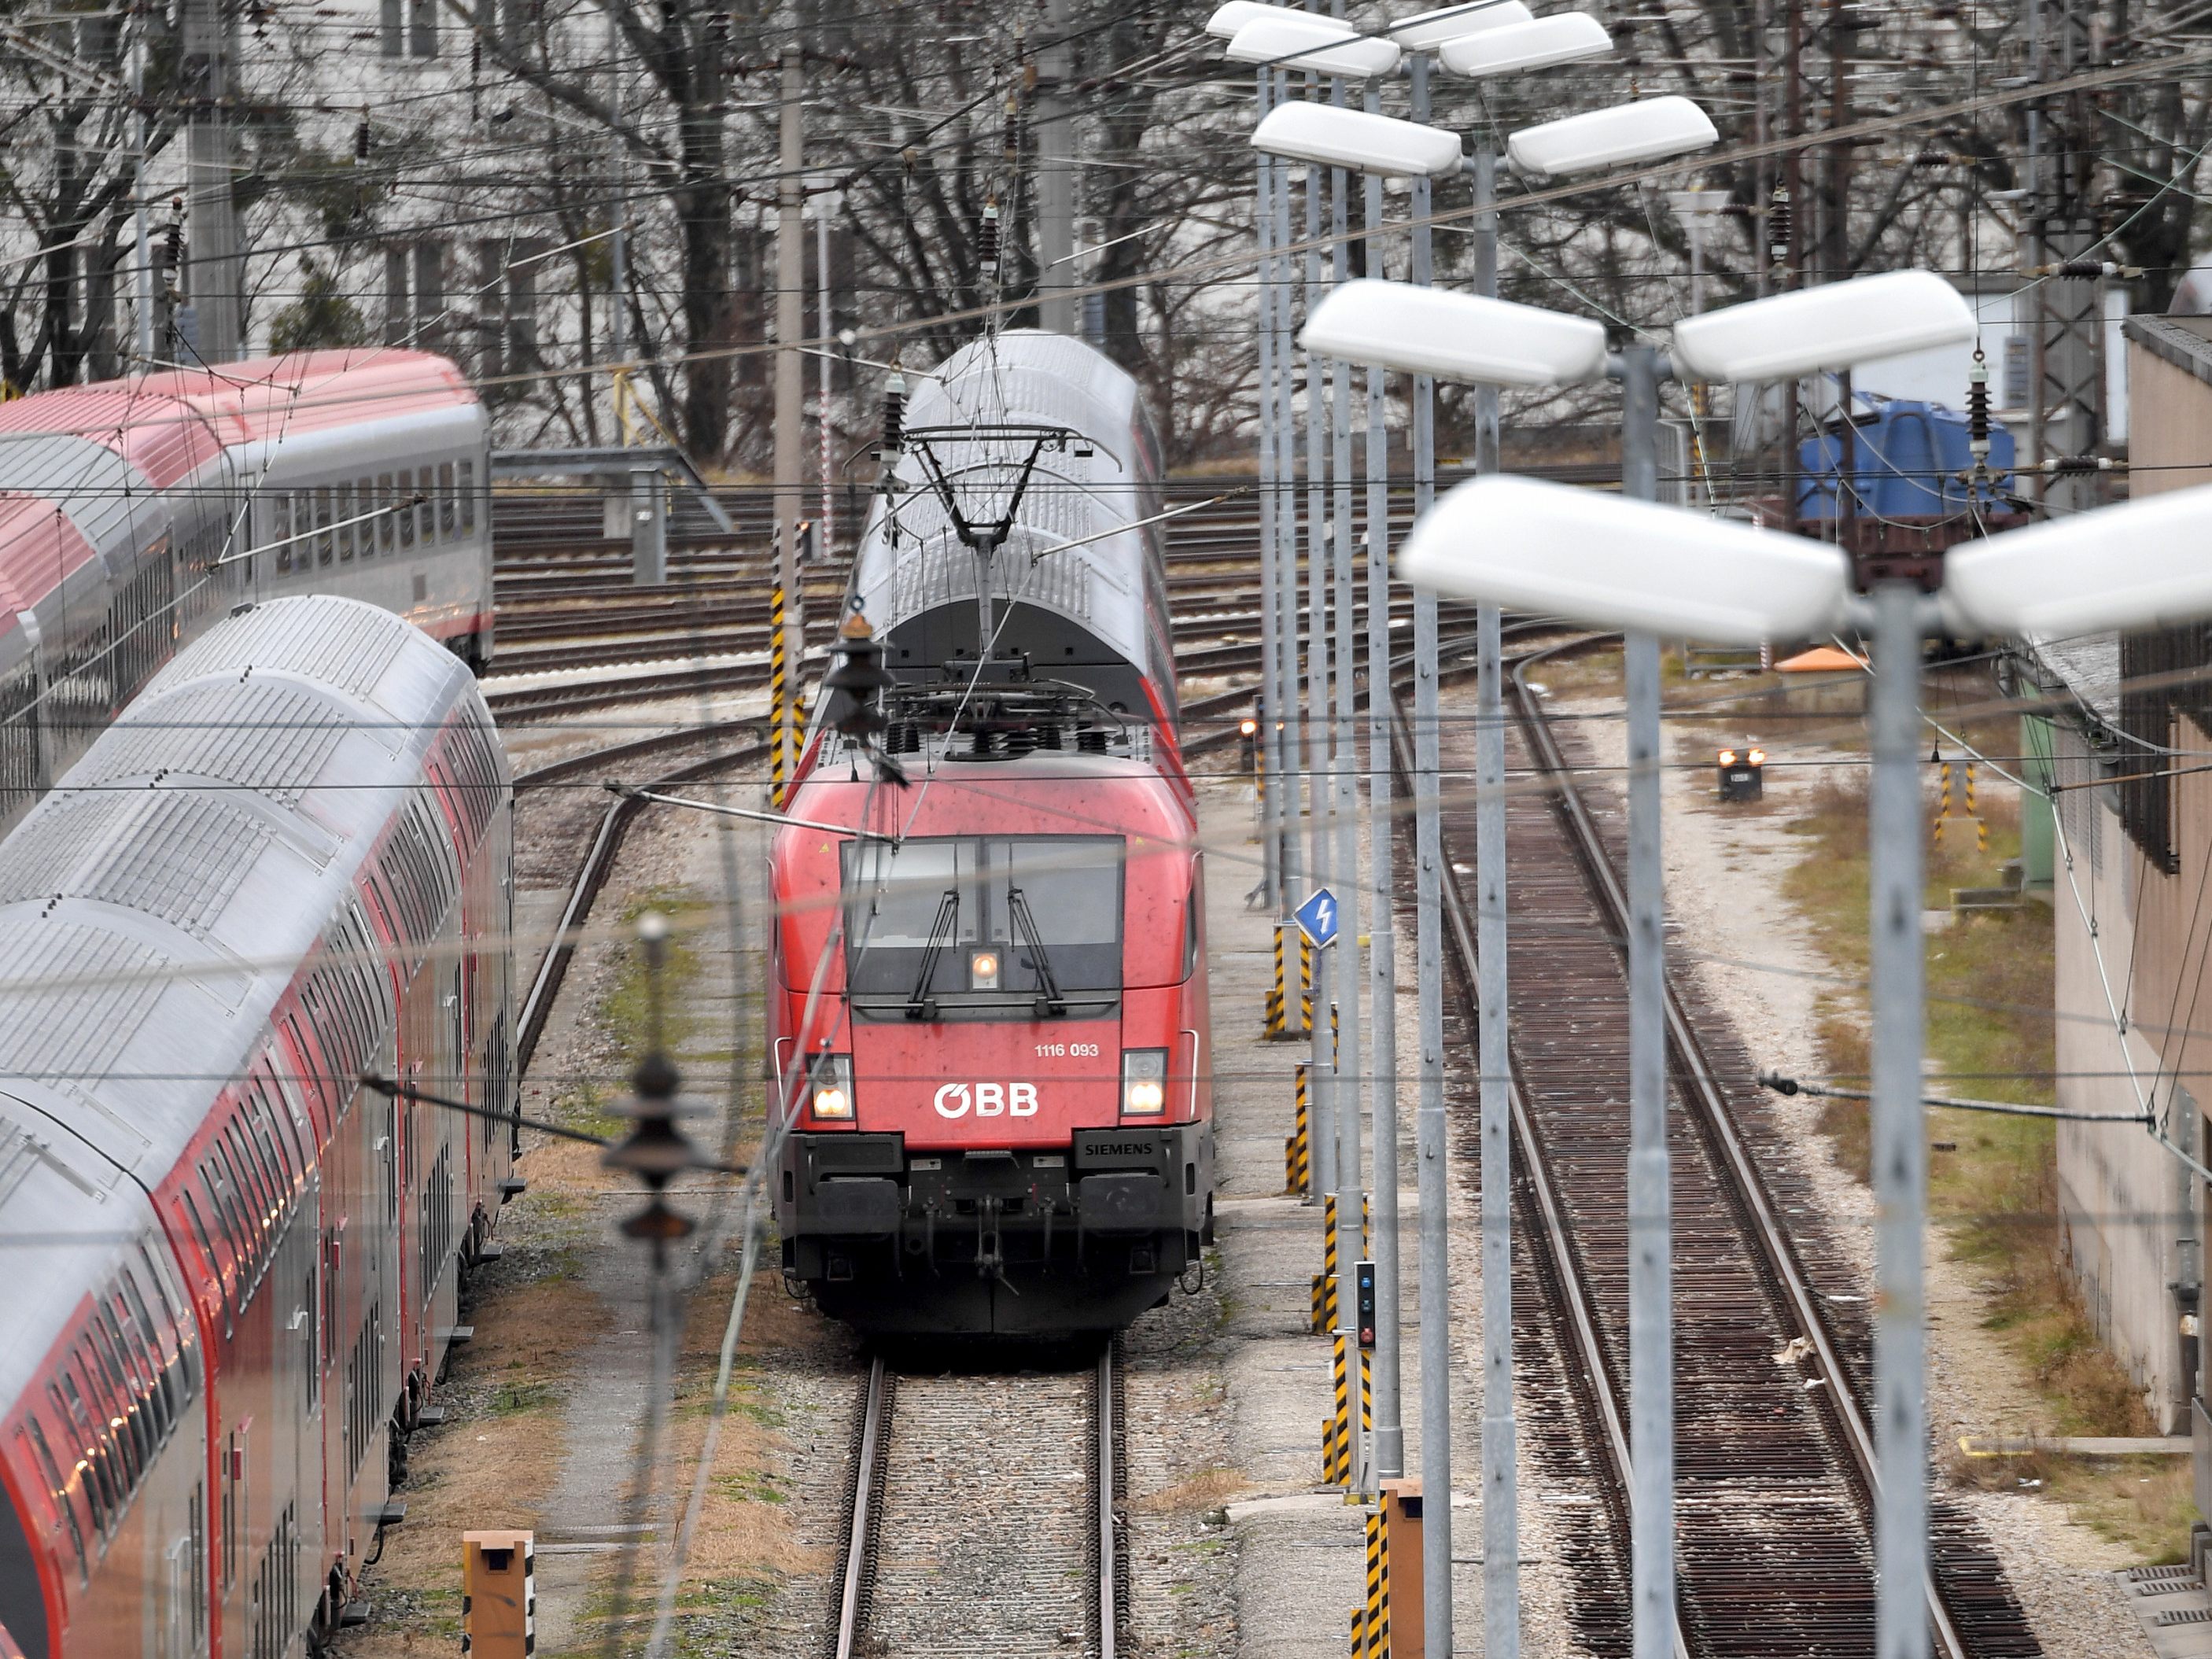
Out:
{"x": 989, "y": 1015}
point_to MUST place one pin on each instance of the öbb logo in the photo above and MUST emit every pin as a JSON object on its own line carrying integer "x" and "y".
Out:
{"x": 988, "y": 1099}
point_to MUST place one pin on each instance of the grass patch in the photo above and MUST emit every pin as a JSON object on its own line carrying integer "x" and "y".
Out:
{"x": 1992, "y": 1179}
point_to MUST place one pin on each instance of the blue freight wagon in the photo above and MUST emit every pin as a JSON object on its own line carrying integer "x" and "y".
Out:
{"x": 1906, "y": 461}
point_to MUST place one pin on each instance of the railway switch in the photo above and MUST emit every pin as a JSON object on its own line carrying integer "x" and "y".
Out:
{"x": 498, "y": 1595}
{"x": 1742, "y": 773}
{"x": 1363, "y": 1282}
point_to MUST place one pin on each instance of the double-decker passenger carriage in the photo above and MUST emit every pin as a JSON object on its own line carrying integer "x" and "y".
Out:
{"x": 232, "y": 1270}
{"x": 132, "y": 511}
{"x": 990, "y": 1024}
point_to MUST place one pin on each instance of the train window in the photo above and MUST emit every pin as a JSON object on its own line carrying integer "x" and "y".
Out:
{"x": 468, "y": 486}
{"x": 278, "y": 506}
{"x": 403, "y": 509}
{"x": 256, "y": 1178}
{"x": 97, "y": 1487}
{"x": 231, "y": 1217}
{"x": 449, "y": 510}
{"x": 168, "y": 1388}
{"x": 1051, "y": 906}
{"x": 37, "y": 1437}
{"x": 342, "y": 498}
{"x": 365, "y": 493}
{"x": 385, "y": 530}
{"x": 207, "y": 1246}
{"x": 323, "y": 549}
{"x": 134, "y": 1433}
{"x": 426, "y": 505}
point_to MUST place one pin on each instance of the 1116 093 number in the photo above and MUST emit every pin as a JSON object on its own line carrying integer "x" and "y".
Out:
{"x": 1068, "y": 1051}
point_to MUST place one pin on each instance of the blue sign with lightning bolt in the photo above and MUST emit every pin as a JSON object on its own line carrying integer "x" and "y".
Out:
{"x": 1316, "y": 918}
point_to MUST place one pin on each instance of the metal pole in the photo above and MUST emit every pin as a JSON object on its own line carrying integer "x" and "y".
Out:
{"x": 1055, "y": 130}
{"x": 1291, "y": 774}
{"x": 1900, "y": 1144}
{"x": 1382, "y": 958}
{"x": 213, "y": 284}
{"x": 1347, "y": 978}
{"x": 140, "y": 228}
{"x": 789, "y": 489}
{"x": 822, "y": 205}
{"x": 1501, "y": 1473}
{"x": 1321, "y": 1075}
{"x": 1273, "y": 682}
{"x": 1429, "y": 1138}
{"x": 1650, "y": 1309}
{"x": 619, "y": 188}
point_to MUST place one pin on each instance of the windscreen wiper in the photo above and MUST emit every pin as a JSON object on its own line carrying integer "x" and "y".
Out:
{"x": 1049, "y": 1003}
{"x": 920, "y": 1005}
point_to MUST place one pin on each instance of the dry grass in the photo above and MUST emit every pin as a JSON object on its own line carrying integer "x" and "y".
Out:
{"x": 1990, "y": 1035}
{"x": 1208, "y": 1489}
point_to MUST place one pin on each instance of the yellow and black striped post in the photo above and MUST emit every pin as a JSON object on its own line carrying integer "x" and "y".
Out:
{"x": 1324, "y": 1287}
{"x": 1373, "y": 1620}
{"x": 1336, "y": 1437}
{"x": 1297, "y": 1146}
{"x": 1305, "y": 985}
{"x": 1333, "y": 1034}
{"x": 779, "y": 699}
{"x": 1981, "y": 829}
{"x": 1362, "y": 1471}
{"x": 1944, "y": 803}
{"x": 1275, "y": 994}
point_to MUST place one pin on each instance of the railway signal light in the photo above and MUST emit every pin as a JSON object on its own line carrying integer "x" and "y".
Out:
{"x": 1742, "y": 773}
{"x": 1364, "y": 1302}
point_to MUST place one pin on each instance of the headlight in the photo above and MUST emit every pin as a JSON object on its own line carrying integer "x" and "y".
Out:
{"x": 1758, "y": 757}
{"x": 1246, "y": 727}
{"x": 1144, "y": 1082}
{"x": 1727, "y": 757}
{"x": 983, "y": 970}
{"x": 829, "y": 1090}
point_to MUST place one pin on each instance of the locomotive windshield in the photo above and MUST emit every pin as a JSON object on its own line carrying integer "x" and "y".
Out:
{"x": 993, "y": 927}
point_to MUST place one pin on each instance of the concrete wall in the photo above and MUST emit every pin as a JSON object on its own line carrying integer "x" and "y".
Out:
{"x": 2124, "y": 941}
{"x": 2171, "y": 445}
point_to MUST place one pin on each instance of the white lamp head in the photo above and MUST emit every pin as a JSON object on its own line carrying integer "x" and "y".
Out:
{"x": 1568, "y": 38}
{"x": 1298, "y": 41}
{"x": 1233, "y": 15}
{"x": 1646, "y": 130}
{"x": 2140, "y": 565}
{"x": 1425, "y": 31}
{"x": 1330, "y": 137}
{"x": 1454, "y": 337}
{"x": 1787, "y": 335}
{"x": 1598, "y": 558}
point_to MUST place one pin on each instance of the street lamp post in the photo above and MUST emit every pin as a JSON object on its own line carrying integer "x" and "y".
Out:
{"x": 1469, "y": 337}
{"x": 1621, "y": 564}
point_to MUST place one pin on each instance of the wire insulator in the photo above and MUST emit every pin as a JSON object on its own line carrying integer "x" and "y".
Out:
{"x": 361, "y": 138}
{"x": 1778, "y": 229}
{"x": 894, "y": 415}
{"x": 987, "y": 243}
{"x": 1978, "y": 408}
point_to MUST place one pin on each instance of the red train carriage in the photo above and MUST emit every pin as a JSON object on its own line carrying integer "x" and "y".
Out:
{"x": 133, "y": 512}
{"x": 232, "y": 1272}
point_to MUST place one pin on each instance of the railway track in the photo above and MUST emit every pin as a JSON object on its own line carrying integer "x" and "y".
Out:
{"x": 983, "y": 1517}
{"x": 1773, "y": 1442}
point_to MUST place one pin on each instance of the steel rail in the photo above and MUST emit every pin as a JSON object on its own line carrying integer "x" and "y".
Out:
{"x": 859, "y": 1556}
{"x": 1108, "y": 1600}
{"x": 1798, "y": 1302}
{"x": 1581, "y": 1320}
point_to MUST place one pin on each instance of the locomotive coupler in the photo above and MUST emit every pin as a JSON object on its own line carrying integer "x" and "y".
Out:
{"x": 990, "y": 1258}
